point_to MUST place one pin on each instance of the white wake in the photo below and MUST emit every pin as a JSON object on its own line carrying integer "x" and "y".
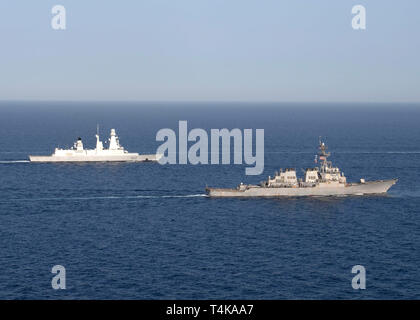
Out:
{"x": 14, "y": 161}
{"x": 107, "y": 197}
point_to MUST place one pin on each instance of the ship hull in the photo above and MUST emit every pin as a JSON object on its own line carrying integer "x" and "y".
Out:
{"x": 97, "y": 158}
{"x": 371, "y": 187}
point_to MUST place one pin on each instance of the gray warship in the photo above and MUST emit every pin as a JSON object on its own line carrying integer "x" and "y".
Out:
{"x": 324, "y": 180}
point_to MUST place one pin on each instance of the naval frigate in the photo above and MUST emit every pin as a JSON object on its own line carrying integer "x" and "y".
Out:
{"x": 114, "y": 153}
{"x": 324, "y": 180}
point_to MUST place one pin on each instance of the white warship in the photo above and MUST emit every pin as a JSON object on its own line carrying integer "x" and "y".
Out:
{"x": 324, "y": 180}
{"x": 114, "y": 153}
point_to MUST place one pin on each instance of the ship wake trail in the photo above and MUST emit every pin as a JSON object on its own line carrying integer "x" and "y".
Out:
{"x": 106, "y": 197}
{"x": 14, "y": 161}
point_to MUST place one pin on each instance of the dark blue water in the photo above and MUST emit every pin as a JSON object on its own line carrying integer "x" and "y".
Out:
{"x": 146, "y": 231}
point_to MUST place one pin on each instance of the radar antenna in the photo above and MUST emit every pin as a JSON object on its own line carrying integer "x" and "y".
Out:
{"x": 323, "y": 149}
{"x": 323, "y": 156}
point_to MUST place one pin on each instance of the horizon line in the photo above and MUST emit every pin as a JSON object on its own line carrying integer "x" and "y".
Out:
{"x": 208, "y": 101}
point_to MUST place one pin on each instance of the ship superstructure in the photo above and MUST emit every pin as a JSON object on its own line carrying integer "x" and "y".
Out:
{"x": 325, "y": 173}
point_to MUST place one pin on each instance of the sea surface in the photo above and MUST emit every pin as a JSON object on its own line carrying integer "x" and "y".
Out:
{"x": 147, "y": 231}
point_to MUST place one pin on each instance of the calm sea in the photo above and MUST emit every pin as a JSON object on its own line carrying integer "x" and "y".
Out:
{"x": 146, "y": 231}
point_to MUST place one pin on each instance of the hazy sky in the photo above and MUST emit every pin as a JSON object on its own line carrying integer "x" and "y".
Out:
{"x": 242, "y": 50}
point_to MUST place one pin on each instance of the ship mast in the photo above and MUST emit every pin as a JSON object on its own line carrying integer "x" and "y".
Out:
{"x": 99, "y": 145}
{"x": 323, "y": 155}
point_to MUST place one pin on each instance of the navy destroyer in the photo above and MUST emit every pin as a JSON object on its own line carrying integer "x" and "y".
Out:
{"x": 114, "y": 153}
{"x": 325, "y": 180}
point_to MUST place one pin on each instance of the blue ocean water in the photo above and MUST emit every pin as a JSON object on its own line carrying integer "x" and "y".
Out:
{"x": 146, "y": 231}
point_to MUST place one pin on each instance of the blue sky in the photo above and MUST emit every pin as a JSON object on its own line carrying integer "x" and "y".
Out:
{"x": 210, "y": 50}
